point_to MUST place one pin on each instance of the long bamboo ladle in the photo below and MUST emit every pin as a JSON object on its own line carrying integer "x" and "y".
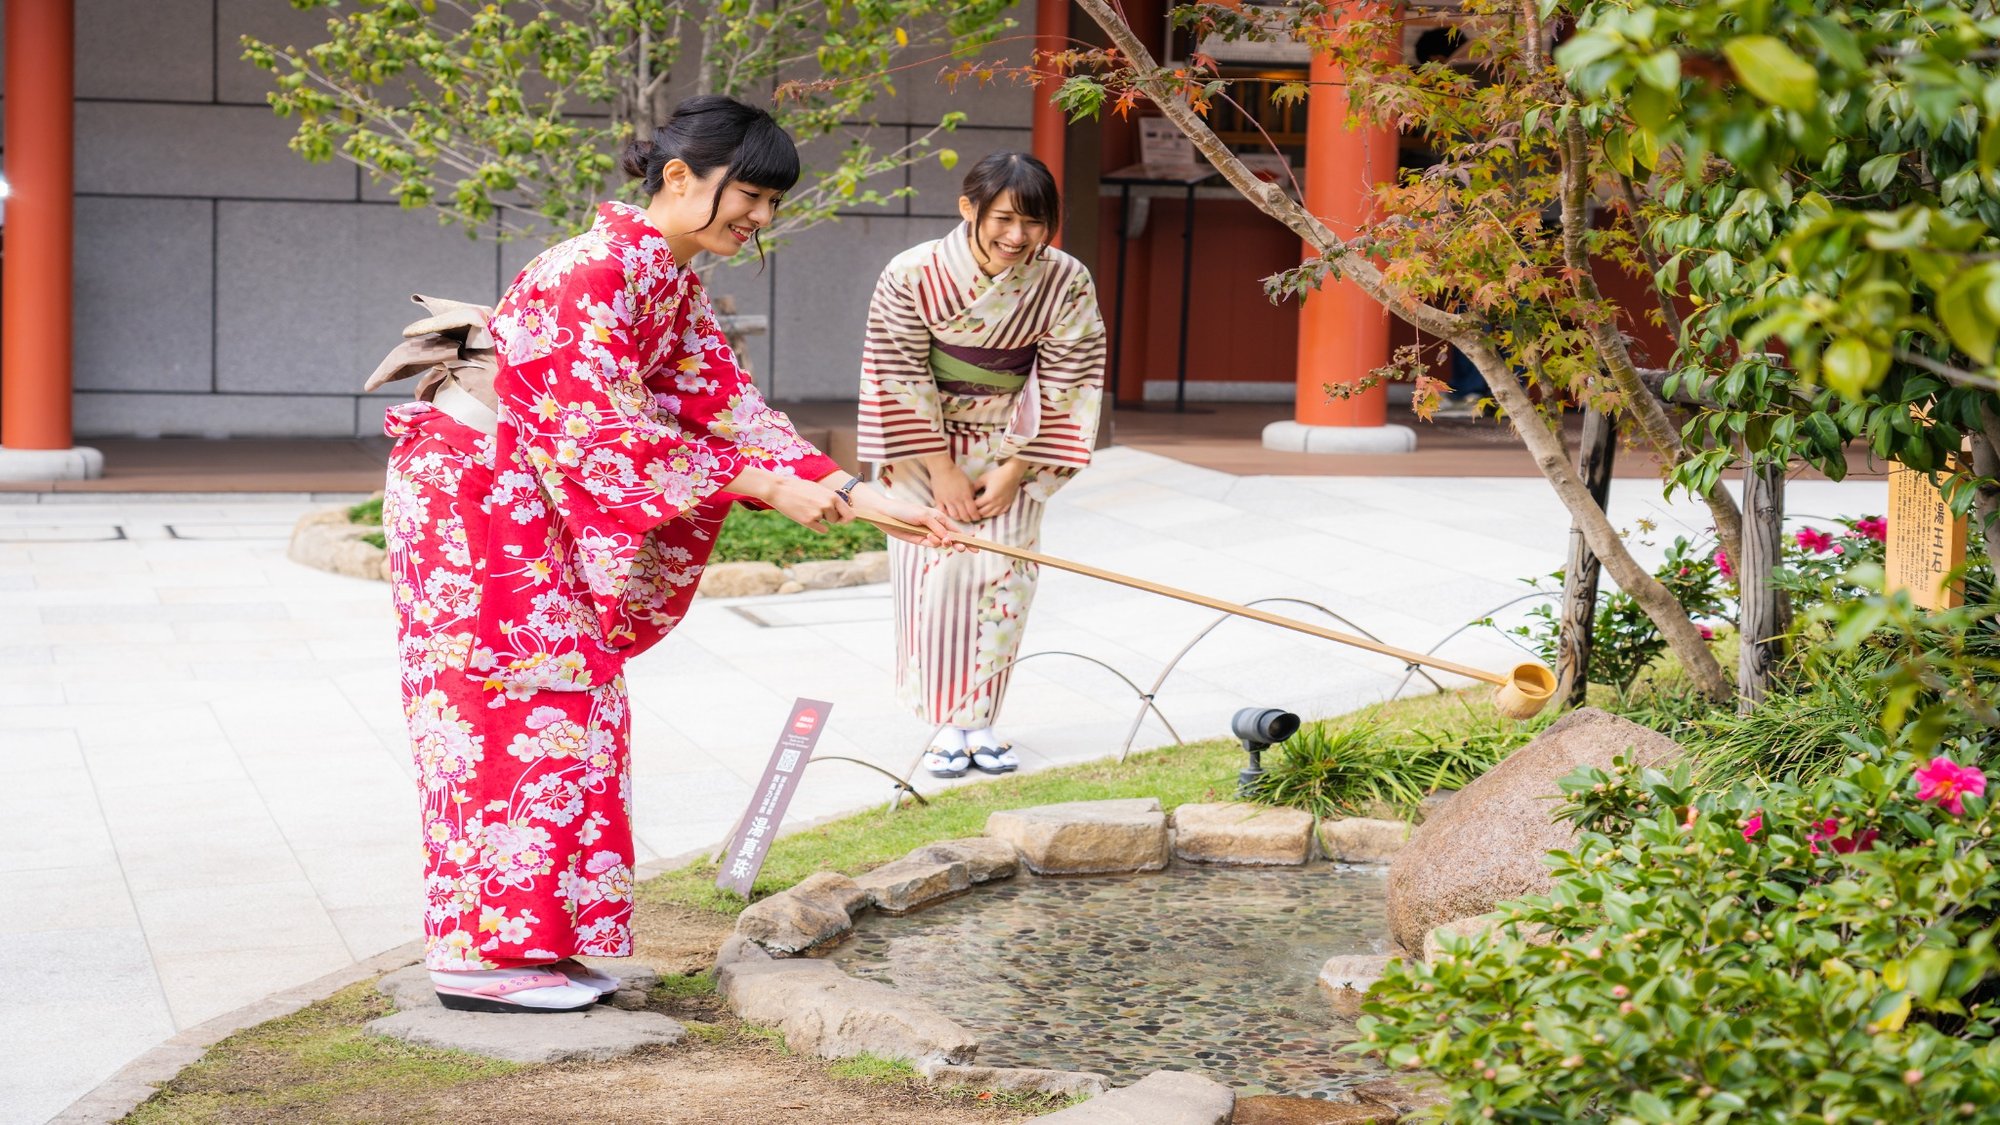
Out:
{"x": 1524, "y": 690}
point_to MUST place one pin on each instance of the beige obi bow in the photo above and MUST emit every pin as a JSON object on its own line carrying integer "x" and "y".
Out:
{"x": 451, "y": 354}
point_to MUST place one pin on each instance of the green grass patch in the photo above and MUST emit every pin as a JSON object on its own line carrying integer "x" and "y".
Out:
{"x": 377, "y": 540}
{"x": 287, "y": 1068}
{"x": 851, "y": 845}
{"x": 873, "y": 1068}
{"x": 1353, "y": 765}
{"x": 753, "y": 536}
{"x": 368, "y": 511}
{"x": 685, "y": 987}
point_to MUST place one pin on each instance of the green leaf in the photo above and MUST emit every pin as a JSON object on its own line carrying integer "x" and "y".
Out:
{"x": 1771, "y": 71}
{"x": 1848, "y": 366}
{"x": 1877, "y": 173}
{"x": 1963, "y": 311}
{"x": 1662, "y": 70}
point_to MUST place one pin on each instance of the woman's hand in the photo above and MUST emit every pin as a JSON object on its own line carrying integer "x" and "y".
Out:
{"x": 951, "y": 489}
{"x": 998, "y": 487}
{"x": 869, "y": 502}
{"x": 808, "y": 503}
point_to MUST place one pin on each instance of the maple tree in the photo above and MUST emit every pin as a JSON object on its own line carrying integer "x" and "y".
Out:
{"x": 504, "y": 115}
{"x": 1462, "y": 251}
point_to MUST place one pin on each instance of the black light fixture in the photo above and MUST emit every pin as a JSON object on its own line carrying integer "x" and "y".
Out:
{"x": 1259, "y": 727}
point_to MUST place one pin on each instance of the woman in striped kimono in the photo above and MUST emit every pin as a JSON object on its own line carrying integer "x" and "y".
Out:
{"x": 981, "y": 377}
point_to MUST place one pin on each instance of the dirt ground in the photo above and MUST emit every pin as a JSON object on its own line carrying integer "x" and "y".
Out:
{"x": 321, "y": 1067}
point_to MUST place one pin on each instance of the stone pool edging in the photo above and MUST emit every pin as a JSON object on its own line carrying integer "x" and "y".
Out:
{"x": 769, "y": 970}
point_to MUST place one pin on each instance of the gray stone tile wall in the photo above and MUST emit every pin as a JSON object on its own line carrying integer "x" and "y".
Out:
{"x": 225, "y": 287}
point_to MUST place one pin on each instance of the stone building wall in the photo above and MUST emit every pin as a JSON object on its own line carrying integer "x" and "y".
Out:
{"x": 225, "y": 287}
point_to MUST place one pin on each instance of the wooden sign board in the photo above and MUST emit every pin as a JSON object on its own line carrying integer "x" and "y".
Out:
{"x": 1926, "y": 541}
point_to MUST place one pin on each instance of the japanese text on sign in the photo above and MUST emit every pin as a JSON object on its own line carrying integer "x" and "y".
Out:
{"x": 751, "y": 842}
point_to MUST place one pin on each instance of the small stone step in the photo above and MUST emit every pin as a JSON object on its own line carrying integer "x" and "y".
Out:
{"x": 1086, "y": 837}
{"x": 1164, "y": 1097}
{"x": 596, "y": 1034}
{"x": 1242, "y": 834}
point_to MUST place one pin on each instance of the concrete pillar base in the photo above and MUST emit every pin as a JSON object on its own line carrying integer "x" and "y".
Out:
{"x": 1298, "y": 437}
{"x": 80, "y": 463}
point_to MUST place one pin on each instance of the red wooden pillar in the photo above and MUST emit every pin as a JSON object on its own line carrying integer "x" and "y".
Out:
{"x": 1343, "y": 334}
{"x": 1051, "y": 36}
{"x": 35, "y": 286}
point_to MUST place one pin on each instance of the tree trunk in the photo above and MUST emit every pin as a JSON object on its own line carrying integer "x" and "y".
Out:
{"x": 1647, "y": 411}
{"x": 1659, "y": 605}
{"x": 1579, "y": 604}
{"x": 1543, "y": 445}
{"x": 1766, "y": 612}
{"x": 1986, "y": 466}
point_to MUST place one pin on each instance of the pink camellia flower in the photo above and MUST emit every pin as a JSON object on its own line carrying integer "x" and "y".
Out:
{"x": 1753, "y": 826}
{"x": 1948, "y": 783}
{"x": 1722, "y": 563}
{"x": 1707, "y": 634}
{"x": 1827, "y": 831}
{"x": 1873, "y": 527}
{"x": 1818, "y": 542}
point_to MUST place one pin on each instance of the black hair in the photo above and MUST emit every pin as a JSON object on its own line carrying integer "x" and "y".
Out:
{"x": 715, "y": 131}
{"x": 1018, "y": 174}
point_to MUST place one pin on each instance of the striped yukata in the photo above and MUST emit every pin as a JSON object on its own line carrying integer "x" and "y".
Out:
{"x": 986, "y": 369}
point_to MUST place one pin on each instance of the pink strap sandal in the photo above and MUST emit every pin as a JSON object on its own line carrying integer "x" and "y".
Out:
{"x": 490, "y": 996}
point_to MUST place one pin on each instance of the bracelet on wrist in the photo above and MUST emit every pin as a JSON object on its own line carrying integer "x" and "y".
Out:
{"x": 846, "y": 491}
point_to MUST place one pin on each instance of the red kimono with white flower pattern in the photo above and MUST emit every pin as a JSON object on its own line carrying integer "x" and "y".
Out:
{"x": 530, "y": 566}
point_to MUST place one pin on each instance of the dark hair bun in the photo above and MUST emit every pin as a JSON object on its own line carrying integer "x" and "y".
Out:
{"x": 638, "y": 157}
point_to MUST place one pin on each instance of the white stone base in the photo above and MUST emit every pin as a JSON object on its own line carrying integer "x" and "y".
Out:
{"x": 1297, "y": 437}
{"x": 81, "y": 463}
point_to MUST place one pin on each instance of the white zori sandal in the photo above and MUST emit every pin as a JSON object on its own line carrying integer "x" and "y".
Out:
{"x": 942, "y": 762}
{"x": 995, "y": 759}
{"x": 534, "y": 990}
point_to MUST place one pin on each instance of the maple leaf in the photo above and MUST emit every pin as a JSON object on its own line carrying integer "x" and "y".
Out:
{"x": 1125, "y": 102}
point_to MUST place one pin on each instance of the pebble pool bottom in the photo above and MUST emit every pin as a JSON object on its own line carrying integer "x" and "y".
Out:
{"x": 1202, "y": 968}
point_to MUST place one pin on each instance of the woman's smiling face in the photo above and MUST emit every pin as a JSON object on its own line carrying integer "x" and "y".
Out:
{"x": 682, "y": 210}
{"x": 1005, "y": 237}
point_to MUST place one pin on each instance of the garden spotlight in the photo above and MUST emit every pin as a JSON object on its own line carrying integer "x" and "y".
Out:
{"x": 1258, "y": 728}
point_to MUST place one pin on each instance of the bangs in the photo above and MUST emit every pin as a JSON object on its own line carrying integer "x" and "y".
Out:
{"x": 1020, "y": 175}
{"x": 766, "y": 158}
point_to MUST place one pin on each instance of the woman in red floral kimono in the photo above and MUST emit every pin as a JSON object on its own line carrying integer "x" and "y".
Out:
{"x": 535, "y": 553}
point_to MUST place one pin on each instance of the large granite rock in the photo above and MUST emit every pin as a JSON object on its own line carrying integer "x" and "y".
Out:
{"x": 825, "y": 1012}
{"x": 817, "y": 911}
{"x": 984, "y": 857}
{"x": 874, "y": 566}
{"x": 1485, "y": 846}
{"x": 1086, "y": 837}
{"x": 1243, "y": 834}
{"x": 827, "y": 574}
{"x": 740, "y": 579}
{"x": 596, "y": 1034}
{"x": 1360, "y": 839}
{"x": 1164, "y": 1097}
{"x": 911, "y": 882}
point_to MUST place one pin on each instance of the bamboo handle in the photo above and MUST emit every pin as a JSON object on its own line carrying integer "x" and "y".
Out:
{"x": 1503, "y": 680}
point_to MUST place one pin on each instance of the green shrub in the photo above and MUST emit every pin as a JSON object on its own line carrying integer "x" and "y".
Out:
{"x": 1332, "y": 769}
{"x": 749, "y": 535}
{"x": 1819, "y": 954}
{"x": 368, "y": 511}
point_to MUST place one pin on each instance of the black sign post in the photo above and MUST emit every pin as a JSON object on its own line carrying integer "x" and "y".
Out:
{"x": 751, "y": 842}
